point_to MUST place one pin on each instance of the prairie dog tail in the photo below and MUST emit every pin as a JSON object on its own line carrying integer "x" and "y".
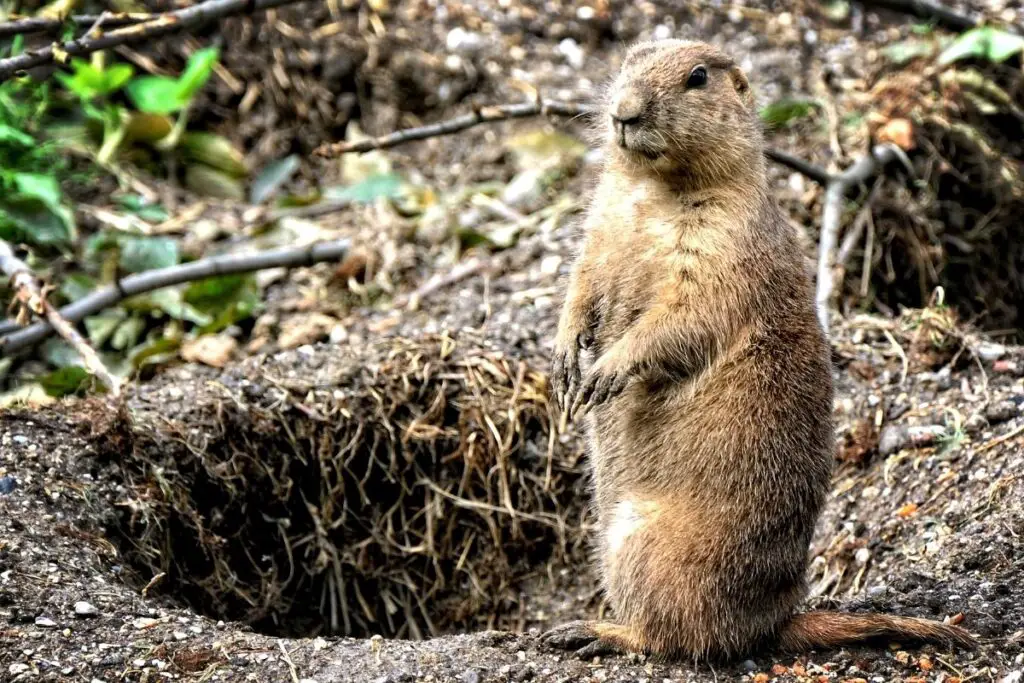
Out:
{"x": 834, "y": 629}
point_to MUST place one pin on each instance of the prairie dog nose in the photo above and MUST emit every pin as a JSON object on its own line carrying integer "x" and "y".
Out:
{"x": 626, "y": 108}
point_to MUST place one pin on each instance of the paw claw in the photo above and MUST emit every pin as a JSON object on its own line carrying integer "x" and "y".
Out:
{"x": 572, "y": 636}
{"x": 598, "y": 648}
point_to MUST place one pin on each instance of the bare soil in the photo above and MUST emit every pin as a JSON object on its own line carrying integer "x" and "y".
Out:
{"x": 927, "y": 512}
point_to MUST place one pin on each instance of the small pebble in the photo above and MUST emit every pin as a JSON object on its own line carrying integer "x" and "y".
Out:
{"x": 45, "y": 622}
{"x": 85, "y": 609}
{"x": 470, "y": 676}
{"x": 7, "y": 485}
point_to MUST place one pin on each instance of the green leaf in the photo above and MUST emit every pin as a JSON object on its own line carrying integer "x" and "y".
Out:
{"x": 155, "y": 95}
{"x": 197, "y": 72}
{"x": 215, "y": 151}
{"x": 59, "y": 353}
{"x": 227, "y": 299}
{"x": 210, "y": 182}
{"x": 904, "y": 51}
{"x": 271, "y": 178}
{"x": 42, "y": 187}
{"x": 170, "y": 301}
{"x": 84, "y": 80}
{"x": 100, "y": 327}
{"x": 29, "y": 219}
{"x": 786, "y": 111}
{"x": 128, "y": 333}
{"x": 984, "y": 42}
{"x": 138, "y": 253}
{"x": 155, "y": 350}
{"x": 76, "y": 285}
{"x": 116, "y": 77}
{"x": 137, "y": 204}
{"x": 141, "y": 253}
{"x": 13, "y": 136}
{"x": 66, "y": 381}
{"x": 388, "y": 185}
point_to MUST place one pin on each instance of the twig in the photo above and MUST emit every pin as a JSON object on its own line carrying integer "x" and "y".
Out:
{"x": 837, "y": 186}
{"x": 440, "y": 281}
{"x": 288, "y": 660}
{"x": 505, "y": 112}
{"x": 27, "y": 25}
{"x": 164, "y": 24}
{"x": 835, "y": 193}
{"x": 815, "y": 173}
{"x": 928, "y": 10}
{"x": 1002, "y": 439}
{"x": 28, "y": 292}
{"x": 853, "y": 235}
{"x": 489, "y": 114}
{"x": 141, "y": 283}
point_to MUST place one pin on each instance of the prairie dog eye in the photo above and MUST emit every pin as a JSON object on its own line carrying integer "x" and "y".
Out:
{"x": 698, "y": 77}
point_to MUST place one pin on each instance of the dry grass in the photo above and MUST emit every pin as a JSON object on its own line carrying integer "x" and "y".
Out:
{"x": 401, "y": 490}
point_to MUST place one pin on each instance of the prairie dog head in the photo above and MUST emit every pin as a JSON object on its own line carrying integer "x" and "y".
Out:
{"x": 682, "y": 108}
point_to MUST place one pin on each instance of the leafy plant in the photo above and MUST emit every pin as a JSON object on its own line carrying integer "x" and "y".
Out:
{"x": 786, "y": 111}
{"x": 32, "y": 208}
{"x": 166, "y": 95}
{"x": 94, "y": 84}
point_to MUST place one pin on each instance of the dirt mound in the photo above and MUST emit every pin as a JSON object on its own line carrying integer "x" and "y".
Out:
{"x": 957, "y": 223}
{"x": 405, "y": 488}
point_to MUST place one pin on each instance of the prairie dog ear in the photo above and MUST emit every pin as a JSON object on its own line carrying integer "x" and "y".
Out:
{"x": 741, "y": 84}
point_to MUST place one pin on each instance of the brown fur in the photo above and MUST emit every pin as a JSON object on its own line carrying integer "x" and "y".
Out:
{"x": 710, "y": 392}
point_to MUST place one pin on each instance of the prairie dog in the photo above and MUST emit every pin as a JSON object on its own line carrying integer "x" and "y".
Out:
{"x": 710, "y": 391}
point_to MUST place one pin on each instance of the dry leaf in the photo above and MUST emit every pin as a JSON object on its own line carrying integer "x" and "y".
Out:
{"x": 899, "y": 132}
{"x": 214, "y": 350}
{"x": 907, "y": 510}
{"x": 306, "y": 329}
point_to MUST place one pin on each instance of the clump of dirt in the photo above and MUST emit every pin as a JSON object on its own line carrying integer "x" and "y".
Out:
{"x": 404, "y": 489}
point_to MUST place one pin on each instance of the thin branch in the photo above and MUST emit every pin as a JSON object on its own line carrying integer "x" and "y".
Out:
{"x": 505, "y": 112}
{"x": 837, "y": 187}
{"x": 28, "y": 25}
{"x": 164, "y": 24}
{"x": 815, "y": 173}
{"x": 133, "y": 285}
{"x": 490, "y": 114}
{"x": 31, "y": 296}
{"x": 835, "y": 193}
{"x": 929, "y": 11}
{"x": 441, "y": 280}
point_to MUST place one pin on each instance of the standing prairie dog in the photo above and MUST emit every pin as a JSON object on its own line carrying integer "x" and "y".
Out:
{"x": 710, "y": 392}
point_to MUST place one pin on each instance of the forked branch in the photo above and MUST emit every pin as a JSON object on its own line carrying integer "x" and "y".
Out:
{"x": 133, "y": 285}
{"x": 29, "y": 296}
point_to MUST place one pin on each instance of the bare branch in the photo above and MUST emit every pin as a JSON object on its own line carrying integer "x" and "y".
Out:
{"x": 141, "y": 283}
{"x": 30, "y": 295}
{"x": 505, "y": 112}
{"x": 835, "y": 193}
{"x": 163, "y": 24}
{"x": 815, "y": 173}
{"x": 491, "y": 114}
{"x": 28, "y": 25}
